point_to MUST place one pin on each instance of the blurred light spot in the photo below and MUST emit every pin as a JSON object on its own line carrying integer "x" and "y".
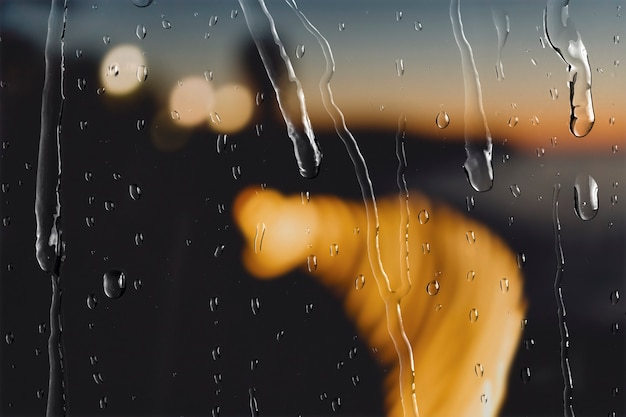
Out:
{"x": 118, "y": 70}
{"x": 192, "y": 100}
{"x": 233, "y": 108}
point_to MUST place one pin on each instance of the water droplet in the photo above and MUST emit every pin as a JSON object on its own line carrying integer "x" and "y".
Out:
{"x": 470, "y": 275}
{"x": 134, "y": 191}
{"x": 234, "y": 13}
{"x": 219, "y": 249}
{"x": 529, "y": 343}
{"x": 471, "y": 237}
{"x": 90, "y": 221}
{"x": 614, "y": 148}
{"x": 470, "y": 203}
{"x": 82, "y": 84}
{"x": 311, "y": 263}
{"x": 483, "y": 399}
{"x": 359, "y": 282}
{"x": 525, "y": 374}
{"x": 139, "y": 238}
{"x": 299, "y": 51}
{"x": 400, "y": 67}
{"x": 142, "y": 3}
{"x": 117, "y": 176}
{"x": 352, "y": 352}
{"x": 255, "y": 305}
{"x": 104, "y": 401}
{"x": 479, "y": 370}
{"x": 213, "y": 20}
{"x": 398, "y": 16}
{"x": 79, "y": 53}
{"x": 40, "y": 393}
{"x": 554, "y": 93}
{"x": 97, "y": 378}
{"x": 142, "y": 73}
{"x": 109, "y": 205}
{"x": 308, "y": 308}
{"x": 425, "y": 248}
{"x": 423, "y": 216}
{"x": 236, "y": 171}
{"x": 616, "y": 39}
{"x": 141, "y": 31}
{"x": 114, "y": 283}
{"x": 521, "y": 260}
{"x": 342, "y": 27}
{"x": 92, "y": 301}
{"x": 473, "y": 315}
{"x": 433, "y": 287}
{"x": 355, "y": 380}
{"x": 41, "y": 328}
{"x": 418, "y": 26}
{"x": 334, "y": 249}
{"x": 335, "y": 404}
{"x": 9, "y": 338}
{"x": 614, "y": 297}
{"x": 279, "y": 335}
{"x": 586, "y": 197}
{"x": 137, "y": 284}
{"x": 515, "y": 190}
{"x": 106, "y": 39}
{"x": 442, "y": 120}
{"x": 504, "y": 285}
{"x": 513, "y": 121}
{"x": 141, "y": 123}
{"x": 216, "y": 353}
{"x": 615, "y": 328}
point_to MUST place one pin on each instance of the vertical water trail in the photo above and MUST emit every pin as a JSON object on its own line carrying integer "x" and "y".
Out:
{"x": 306, "y": 149}
{"x": 48, "y": 244}
{"x": 478, "y": 165}
{"x": 503, "y": 27}
{"x": 391, "y": 297}
{"x": 568, "y": 44}
{"x": 568, "y": 383}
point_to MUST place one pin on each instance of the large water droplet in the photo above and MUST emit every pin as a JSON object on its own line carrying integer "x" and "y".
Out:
{"x": 433, "y": 287}
{"x": 442, "y": 120}
{"x": 114, "y": 283}
{"x": 586, "y": 197}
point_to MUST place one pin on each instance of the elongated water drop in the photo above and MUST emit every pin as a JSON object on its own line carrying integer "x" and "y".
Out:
{"x": 568, "y": 44}
{"x": 299, "y": 129}
{"x": 586, "y": 200}
{"x": 501, "y": 21}
{"x": 442, "y": 120}
{"x": 141, "y": 31}
{"x": 478, "y": 145}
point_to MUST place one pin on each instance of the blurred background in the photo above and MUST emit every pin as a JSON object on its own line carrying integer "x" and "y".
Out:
{"x": 169, "y": 113}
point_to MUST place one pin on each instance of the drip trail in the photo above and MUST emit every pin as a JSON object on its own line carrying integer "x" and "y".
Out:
{"x": 568, "y": 382}
{"x": 306, "y": 149}
{"x": 503, "y": 27}
{"x": 478, "y": 165}
{"x": 390, "y": 296}
{"x": 568, "y": 44}
{"x": 49, "y": 244}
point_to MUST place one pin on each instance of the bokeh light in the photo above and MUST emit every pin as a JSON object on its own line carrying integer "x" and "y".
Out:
{"x": 191, "y": 101}
{"x": 123, "y": 70}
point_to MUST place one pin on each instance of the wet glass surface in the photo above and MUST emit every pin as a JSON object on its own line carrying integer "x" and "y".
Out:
{"x": 313, "y": 208}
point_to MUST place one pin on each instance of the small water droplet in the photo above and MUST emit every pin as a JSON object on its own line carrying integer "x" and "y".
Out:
{"x": 585, "y": 197}
{"x": 525, "y": 374}
{"x": 400, "y": 67}
{"x": 97, "y": 378}
{"x": 40, "y": 393}
{"x": 216, "y": 353}
{"x": 104, "y": 401}
{"x": 114, "y": 283}
{"x": 137, "y": 284}
{"x": 473, "y": 315}
{"x": 134, "y": 191}
{"x": 9, "y": 338}
{"x": 334, "y": 249}
{"x": 213, "y": 20}
{"x": 90, "y": 221}
{"x": 483, "y": 399}
{"x": 423, "y": 216}
{"x": 521, "y": 260}
{"x": 614, "y": 148}
{"x": 166, "y": 24}
{"x": 398, "y": 16}
{"x": 529, "y": 343}
{"x": 311, "y": 263}
{"x": 142, "y": 73}
{"x": 504, "y": 285}
{"x": 470, "y": 203}
{"x": 141, "y": 123}
{"x": 141, "y": 32}
{"x": 79, "y": 53}
{"x": 139, "y": 238}
{"x": 355, "y": 380}
{"x": 92, "y": 301}
{"x": 82, "y": 84}
{"x": 479, "y": 370}
{"x": 335, "y": 404}
{"x": 614, "y": 297}
{"x": 109, "y": 205}
{"x": 615, "y": 328}
{"x": 308, "y": 308}
{"x": 515, "y": 190}
{"x": 234, "y": 13}
{"x": 300, "y": 51}
{"x": 142, "y": 3}
{"x": 342, "y": 27}
{"x": 106, "y": 39}
{"x": 418, "y": 26}
{"x": 279, "y": 335}
{"x": 236, "y": 171}
{"x": 255, "y": 305}
{"x": 359, "y": 282}
{"x": 471, "y": 237}
{"x": 442, "y": 120}
{"x": 352, "y": 352}
{"x": 433, "y": 287}
{"x": 470, "y": 275}
{"x": 425, "y": 248}
{"x": 219, "y": 249}
{"x": 554, "y": 93}
{"x": 513, "y": 121}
